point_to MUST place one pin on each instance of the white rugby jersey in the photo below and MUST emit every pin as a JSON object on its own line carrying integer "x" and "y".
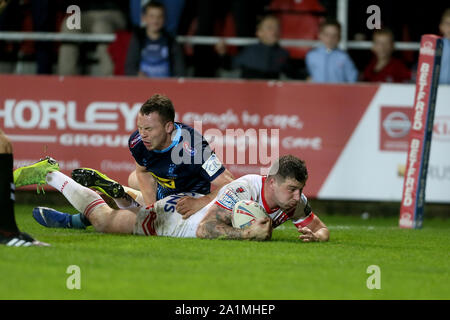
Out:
{"x": 162, "y": 219}
{"x": 251, "y": 187}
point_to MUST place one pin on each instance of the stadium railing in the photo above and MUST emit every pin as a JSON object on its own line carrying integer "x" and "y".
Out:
{"x": 71, "y": 37}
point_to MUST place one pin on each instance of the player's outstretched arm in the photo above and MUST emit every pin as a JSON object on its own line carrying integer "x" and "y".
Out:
{"x": 316, "y": 230}
{"x": 217, "y": 224}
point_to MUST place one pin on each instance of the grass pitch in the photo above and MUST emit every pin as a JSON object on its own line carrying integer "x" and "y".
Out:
{"x": 414, "y": 264}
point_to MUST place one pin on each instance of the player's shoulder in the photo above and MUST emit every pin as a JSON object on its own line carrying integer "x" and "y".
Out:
{"x": 248, "y": 182}
{"x": 194, "y": 144}
{"x": 134, "y": 140}
{"x": 252, "y": 178}
{"x": 186, "y": 127}
{"x": 189, "y": 131}
{"x": 191, "y": 136}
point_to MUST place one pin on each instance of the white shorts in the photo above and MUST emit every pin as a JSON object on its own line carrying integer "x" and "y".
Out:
{"x": 162, "y": 219}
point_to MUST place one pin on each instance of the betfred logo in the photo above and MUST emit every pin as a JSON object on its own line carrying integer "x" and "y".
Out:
{"x": 427, "y": 48}
{"x": 395, "y": 124}
{"x": 406, "y": 220}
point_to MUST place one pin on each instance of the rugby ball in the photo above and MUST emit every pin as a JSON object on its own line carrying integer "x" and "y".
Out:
{"x": 246, "y": 212}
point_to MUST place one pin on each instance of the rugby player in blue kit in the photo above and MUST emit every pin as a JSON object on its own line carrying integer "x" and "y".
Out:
{"x": 170, "y": 157}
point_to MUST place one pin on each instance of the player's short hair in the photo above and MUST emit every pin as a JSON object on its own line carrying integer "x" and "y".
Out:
{"x": 289, "y": 166}
{"x": 153, "y": 5}
{"x": 330, "y": 22}
{"x": 160, "y": 104}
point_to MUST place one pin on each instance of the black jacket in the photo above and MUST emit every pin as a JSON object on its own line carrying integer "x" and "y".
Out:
{"x": 262, "y": 61}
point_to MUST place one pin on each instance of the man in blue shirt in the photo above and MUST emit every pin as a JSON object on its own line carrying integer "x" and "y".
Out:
{"x": 327, "y": 63}
{"x": 444, "y": 27}
{"x": 170, "y": 157}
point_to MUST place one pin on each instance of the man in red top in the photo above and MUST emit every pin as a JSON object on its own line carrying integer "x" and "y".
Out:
{"x": 384, "y": 67}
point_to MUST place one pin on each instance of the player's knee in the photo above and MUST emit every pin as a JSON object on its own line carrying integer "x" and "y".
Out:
{"x": 100, "y": 218}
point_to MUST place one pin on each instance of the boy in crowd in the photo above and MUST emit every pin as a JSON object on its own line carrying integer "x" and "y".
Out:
{"x": 153, "y": 52}
{"x": 327, "y": 63}
{"x": 264, "y": 60}
{"x": 384, "y": 67}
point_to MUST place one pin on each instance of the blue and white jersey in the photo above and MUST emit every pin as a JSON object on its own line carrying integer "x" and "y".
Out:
{"x": 187, "y": 165}
{"x": 155, "y": 60}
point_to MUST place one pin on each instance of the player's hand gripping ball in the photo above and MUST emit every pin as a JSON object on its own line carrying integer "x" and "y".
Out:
{"x": 246, "y": 212}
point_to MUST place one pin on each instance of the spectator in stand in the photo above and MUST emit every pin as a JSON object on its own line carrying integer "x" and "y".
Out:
{"x": 384, "y": 67}
{"x": 173, "y": 12}
{"x": 327, "y": 63}
{"x": 11, "y": 17}
{"x": 96, "y": 17}
{"x": 264, "y": 60}
{"x": 153, "y": 52}
{"x": 44, "y": 20}
{"x": 444, "y": 27}
{"x": 205, "y": 59}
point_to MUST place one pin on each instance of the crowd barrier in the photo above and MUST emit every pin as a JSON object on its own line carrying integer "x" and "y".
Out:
{"x": 352, "y": 137}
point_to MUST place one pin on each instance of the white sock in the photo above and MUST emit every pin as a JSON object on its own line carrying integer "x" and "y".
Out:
{"x": 81, "y": 198}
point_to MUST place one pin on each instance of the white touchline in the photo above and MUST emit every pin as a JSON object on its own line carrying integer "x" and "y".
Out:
{"x": 32, "y": 138}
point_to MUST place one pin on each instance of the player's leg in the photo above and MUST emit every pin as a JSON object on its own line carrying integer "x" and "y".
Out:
{"x": 101, "y": 216}
{"x": 7, "y": 219}
{"x": 108, "y": 220}
{"x": 10, "y": 234}
{"x": 52, "y": 218}
{"x": 91, "y": 205}
{"x": 92, "y": 178}
{"x": 124, "y": 198}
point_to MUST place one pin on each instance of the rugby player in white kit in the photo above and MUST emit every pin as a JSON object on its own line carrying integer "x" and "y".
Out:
{"x": 280, "y": 193}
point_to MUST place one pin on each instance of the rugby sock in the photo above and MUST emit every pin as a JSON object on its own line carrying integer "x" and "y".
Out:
{"x": 83, "y": 199}
{"x": 79, "y": 221}
{"x": 8, "y": 224}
